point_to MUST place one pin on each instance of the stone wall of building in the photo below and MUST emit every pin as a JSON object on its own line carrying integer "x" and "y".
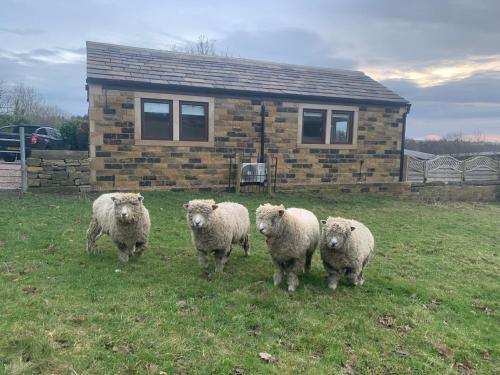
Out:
{"x": 58, "y": 170}
{"x": 117, "y": 163}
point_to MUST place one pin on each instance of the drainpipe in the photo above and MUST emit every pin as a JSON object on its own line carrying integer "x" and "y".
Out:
{"x": 403, "y": 136}
{"x": 262, "y": 132}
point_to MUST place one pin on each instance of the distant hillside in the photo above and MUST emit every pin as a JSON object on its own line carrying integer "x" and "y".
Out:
{"x": 451, "y": 146}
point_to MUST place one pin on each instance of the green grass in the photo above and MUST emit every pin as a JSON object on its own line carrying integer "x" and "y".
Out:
{"x": 429, "y": 304}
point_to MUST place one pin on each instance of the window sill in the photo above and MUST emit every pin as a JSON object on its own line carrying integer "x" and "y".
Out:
{"x": 159, "y": 142}
{"x": 333, "y": 146}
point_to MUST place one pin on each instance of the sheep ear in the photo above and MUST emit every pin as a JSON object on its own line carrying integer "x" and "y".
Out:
{"x": 185, "y": 205}
{"x": 281, "y": 213}
{"x": 352, "y": 228}
{"x": 140, "y": 198}
{"x": 323, "y": 222}
{"x": 113, "y": 199}
{"x": 214, "y": 207}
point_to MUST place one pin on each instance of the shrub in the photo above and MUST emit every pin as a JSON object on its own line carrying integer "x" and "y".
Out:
{"x": 75, "y": 134}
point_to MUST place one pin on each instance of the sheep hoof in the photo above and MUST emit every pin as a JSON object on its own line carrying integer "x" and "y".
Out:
{"x": 332, "y": 286}
{"x": 123, "y": 257}
{"x": 277, "y": 278}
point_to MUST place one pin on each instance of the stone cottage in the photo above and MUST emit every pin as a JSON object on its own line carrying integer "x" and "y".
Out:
{"x": 168, "y": 120}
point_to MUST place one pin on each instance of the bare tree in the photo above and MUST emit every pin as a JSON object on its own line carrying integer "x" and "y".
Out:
{"x": 3, "y": 96}
{"x": 203, "y": 46}
{"x": 25, "y": 102}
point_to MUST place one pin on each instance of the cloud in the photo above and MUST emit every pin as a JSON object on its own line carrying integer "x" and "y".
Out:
{"x": 469, "y": 106}
{"x": 47, "y": 56}
{"x": 286, "y": 45}
{"x": 435, "y": 73}
{"x": 482, "y": 87}
{"x": 22, "y": 31}
{"x": 60, "y": 84}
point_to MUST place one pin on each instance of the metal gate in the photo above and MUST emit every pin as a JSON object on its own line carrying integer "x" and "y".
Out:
{"x": 13, "y": 173}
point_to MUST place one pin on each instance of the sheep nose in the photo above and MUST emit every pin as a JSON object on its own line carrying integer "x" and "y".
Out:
{"x": 124, "y": 215}
{"x": 197, "y": 221}
{"x": 261, "y": 227}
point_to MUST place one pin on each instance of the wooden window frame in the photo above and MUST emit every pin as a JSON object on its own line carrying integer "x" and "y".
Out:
{"x": 171, "y": 115}
{"x": 323, "y": 132}
{"x": 329, "y": 108}
{"x": 350, "y": 127}
{"x": 205, "y": 108}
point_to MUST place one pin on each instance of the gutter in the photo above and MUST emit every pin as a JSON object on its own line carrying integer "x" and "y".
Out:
{"x": 199, "y": 90}
{"x": 403, "y": 137}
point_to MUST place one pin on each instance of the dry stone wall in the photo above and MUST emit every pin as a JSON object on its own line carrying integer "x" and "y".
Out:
{"x": 59, "y": 170}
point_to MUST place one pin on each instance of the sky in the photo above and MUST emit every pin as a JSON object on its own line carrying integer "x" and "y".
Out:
{"x": 443, "y": 56}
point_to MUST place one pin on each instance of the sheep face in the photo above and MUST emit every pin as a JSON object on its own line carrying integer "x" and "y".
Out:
{"x": 127, "y": 207}
{"x": 269, "y": 219}
{"x": 336, "y": 233}
{"x": 200, "y": 213}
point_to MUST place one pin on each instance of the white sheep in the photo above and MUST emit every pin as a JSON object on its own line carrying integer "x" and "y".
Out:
{"x": 216, "y": 227}
{"x": 125, "y": 219}
{"x": 346, "y": 247}
{"x": 292, "y": 236}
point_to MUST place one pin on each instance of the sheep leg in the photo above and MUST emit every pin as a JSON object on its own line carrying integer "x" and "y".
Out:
{"x": 220, "y": 259}
{"x": 139, "y": 248}
{"x": 123, "y": 252}
{"x": 278, "y": 273}
{"x": 246, "y": 245}
{"x": 355, "y": 277}
{"x": 93, "y": 233}
{"x": 294, "y": 268}
{"x": 333, "y": 276}
{"x": 309, "y": 256}
{"x": 202, "y": 259}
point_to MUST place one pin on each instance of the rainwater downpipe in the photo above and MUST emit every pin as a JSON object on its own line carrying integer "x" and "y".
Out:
{"x": 262, "y": 158}
{"x": 403, "y": 136}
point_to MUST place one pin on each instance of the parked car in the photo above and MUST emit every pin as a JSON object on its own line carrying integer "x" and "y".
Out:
{"x": 35, "y": 137}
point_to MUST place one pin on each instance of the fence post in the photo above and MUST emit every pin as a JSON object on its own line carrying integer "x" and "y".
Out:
{"x": 22, "y": 150}
{"x": 425, "y": 171}
{"x": 464, "y": 162}
{"x": 404, "y": 177}
{"x": 237, "y": 183}
{"x": 269, "y": 175}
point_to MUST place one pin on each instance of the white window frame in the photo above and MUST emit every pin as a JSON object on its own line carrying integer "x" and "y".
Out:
{"x": 138, "y": 96}
{"x": 329, "y": 109}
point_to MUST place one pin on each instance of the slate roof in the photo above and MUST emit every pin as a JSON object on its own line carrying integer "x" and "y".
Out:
{"x": 147, "y": 66}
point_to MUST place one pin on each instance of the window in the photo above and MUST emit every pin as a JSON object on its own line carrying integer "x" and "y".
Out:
{"x": 327, "y": 126}
{"x": 42, "y": 131}
{"x": 156, "y": 121}
{"x": 193, "y": 124}
{"x": 173, "y": 120}
{"x": 341, "y": 127}
{"x": 313, "y": 126}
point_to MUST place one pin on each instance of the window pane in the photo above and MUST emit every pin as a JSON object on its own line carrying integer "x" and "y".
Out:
{"x": 341, "y": 127}
{"x": 156, "y": 122}
{"x": 313, "y": 127}
{"x": 193, "y": 126}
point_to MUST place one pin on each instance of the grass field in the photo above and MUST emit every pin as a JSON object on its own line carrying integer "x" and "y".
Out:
{"x": 429, "y": 304}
